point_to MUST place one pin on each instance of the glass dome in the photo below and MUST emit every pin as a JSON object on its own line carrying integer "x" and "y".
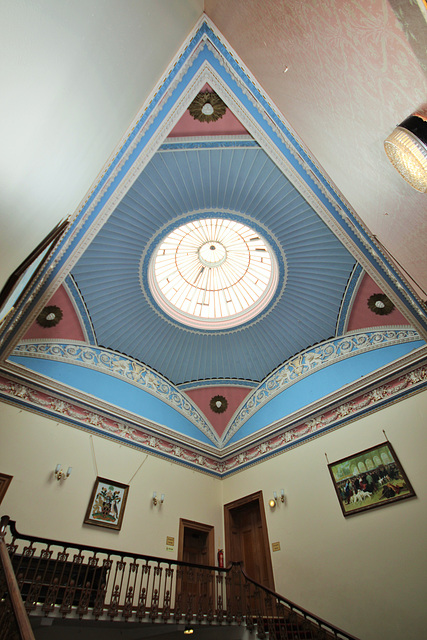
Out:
{"x": 213, "y": 273}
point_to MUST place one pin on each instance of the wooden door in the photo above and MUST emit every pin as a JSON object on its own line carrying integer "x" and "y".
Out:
{"x": 246, "y": 538}
{"x": 196, "y": 545}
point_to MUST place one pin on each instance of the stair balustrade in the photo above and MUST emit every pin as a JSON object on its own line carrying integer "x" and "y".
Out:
{"x": 69, "y": 580}
{"x": 14, "y": 623}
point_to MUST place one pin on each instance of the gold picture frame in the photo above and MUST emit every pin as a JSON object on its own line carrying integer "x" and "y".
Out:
{"x": 107, "y": 504}
{"x": 370, "y": 479}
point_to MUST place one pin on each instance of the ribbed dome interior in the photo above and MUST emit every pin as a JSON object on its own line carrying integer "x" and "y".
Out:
{"x": 213, "y": 180}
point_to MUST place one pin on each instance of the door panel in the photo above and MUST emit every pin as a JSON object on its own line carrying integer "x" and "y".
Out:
{"x": 196, "y": 545}
{"x": 247, "y": 538}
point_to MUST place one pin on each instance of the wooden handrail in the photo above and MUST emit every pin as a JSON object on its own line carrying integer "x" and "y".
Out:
{"x": 130, "y": 554}
{"x": 73, "y": 579}
{"x": 12, "y": 586}
{"x": 337, "y": 632}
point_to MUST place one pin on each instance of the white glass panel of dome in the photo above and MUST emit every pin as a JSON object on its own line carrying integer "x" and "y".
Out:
{"x": 213, "y": 273}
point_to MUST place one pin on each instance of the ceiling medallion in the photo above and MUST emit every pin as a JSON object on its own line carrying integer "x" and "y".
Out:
{"x": 207, "y": 107}
{"x": 49, "y": 316}
{"x": 213, "y": 273}
{"x": 218, "y": 404}
{"x": 380, "y": 304}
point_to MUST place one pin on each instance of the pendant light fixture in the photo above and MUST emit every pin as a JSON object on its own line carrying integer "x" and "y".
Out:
{"x": 406, "y": 148}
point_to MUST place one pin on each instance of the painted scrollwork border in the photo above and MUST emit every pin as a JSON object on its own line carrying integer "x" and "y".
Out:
{"x": 119, "y": 366}
{"x": 50, "y": 405}
{"x": 311, "y": 360}
{"x": 144, "y": 377}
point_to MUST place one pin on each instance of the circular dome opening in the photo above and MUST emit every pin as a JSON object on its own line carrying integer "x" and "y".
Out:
{"x": 213, "y": 273}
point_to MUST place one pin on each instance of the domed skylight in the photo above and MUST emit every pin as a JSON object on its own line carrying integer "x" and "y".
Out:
{"x": 213, "y": 274}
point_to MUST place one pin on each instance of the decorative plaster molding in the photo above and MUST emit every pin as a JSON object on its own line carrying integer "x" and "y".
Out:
{"x": 52, "y": 406}
{"x": 204, "y": 142}
{"x": 142, "y": 376}
{"x": 329, "y": 420}
{"x": 316, "y": 358}
{"x": 348, "y": 299}
{"x": 80, "y": 309}
{"x": 121, "y": 367}
{"x": 123, "y": 431}
{"x": 218, "y": 382}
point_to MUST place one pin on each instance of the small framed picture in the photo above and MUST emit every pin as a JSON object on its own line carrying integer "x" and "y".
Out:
{"x": 370, "y": 479}
{"x": 107, "y": 504}
{"x": 5, "y": 481}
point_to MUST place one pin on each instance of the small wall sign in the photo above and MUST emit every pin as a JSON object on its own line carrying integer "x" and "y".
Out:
{"x": 276, "y": 546}
{"x": 170, "y": 542}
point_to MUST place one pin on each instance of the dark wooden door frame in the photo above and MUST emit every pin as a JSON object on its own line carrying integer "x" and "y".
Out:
{"x": 197, "y": 526}
{"x": 253, "y": 497}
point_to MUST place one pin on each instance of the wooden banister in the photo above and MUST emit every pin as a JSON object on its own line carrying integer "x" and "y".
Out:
{"x": 331, "y": 630}
{"x": 69, "y": 579}
{"x": 21, "y": 618}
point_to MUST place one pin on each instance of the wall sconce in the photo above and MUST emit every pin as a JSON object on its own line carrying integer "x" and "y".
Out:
{"x": 406, "y": 148}
{"x": 61, "y": 475}
{"x": 272, "y": 503}
{"x": 156, "y": 501}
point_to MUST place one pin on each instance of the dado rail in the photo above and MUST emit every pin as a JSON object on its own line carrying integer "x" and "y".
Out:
{"x": 68, "y": 580}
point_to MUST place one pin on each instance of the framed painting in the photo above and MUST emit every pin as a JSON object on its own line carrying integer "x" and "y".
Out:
{"x": 369, "y": 479}
{"x": 16, "y": 285}
{"x": 5, "y": 481}
{"x": 107, "y": 504}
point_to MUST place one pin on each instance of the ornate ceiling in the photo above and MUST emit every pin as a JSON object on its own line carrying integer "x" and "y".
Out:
{"x": 119, "y": 363}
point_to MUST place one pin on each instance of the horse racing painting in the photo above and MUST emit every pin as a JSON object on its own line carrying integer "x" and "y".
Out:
{"x": 107, "y": 504}
{"x": 369, "y": 479}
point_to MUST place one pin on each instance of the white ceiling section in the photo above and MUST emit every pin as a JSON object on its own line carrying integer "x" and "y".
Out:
{"x": 73, "y": 75}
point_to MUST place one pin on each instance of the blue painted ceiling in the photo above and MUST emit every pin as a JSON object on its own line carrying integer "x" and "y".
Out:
{"x": 231, "y": 179}
{"x": 242, "y": 178}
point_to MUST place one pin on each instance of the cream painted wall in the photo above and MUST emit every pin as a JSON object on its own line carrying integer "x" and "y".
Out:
{"x": 368, "y": 573}
{"x": 32, "y": 445}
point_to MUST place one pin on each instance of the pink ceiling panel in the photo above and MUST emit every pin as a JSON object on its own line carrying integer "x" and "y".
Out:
{"x": 361, "y": 315}
{"x": 203, "y": 396}
{"x": 68, "y": 328}
{"x": 228, "y": 125}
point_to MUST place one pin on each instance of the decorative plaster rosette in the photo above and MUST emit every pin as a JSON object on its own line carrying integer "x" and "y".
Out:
{"x": 218, "y": 404}
{"x": 380, "y": 304}
{"x": 207, "y": 107}
{"x": 49, "y": 317}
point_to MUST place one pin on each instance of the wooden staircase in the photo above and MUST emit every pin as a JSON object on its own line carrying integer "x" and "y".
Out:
{"x": 64, "y": 580}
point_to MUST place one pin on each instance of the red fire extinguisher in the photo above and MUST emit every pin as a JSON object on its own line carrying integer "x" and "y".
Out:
{"x": 221, "y": 558}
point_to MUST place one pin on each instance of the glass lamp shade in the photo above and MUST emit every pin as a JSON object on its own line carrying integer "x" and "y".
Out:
{"x": 406, "y": 148}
